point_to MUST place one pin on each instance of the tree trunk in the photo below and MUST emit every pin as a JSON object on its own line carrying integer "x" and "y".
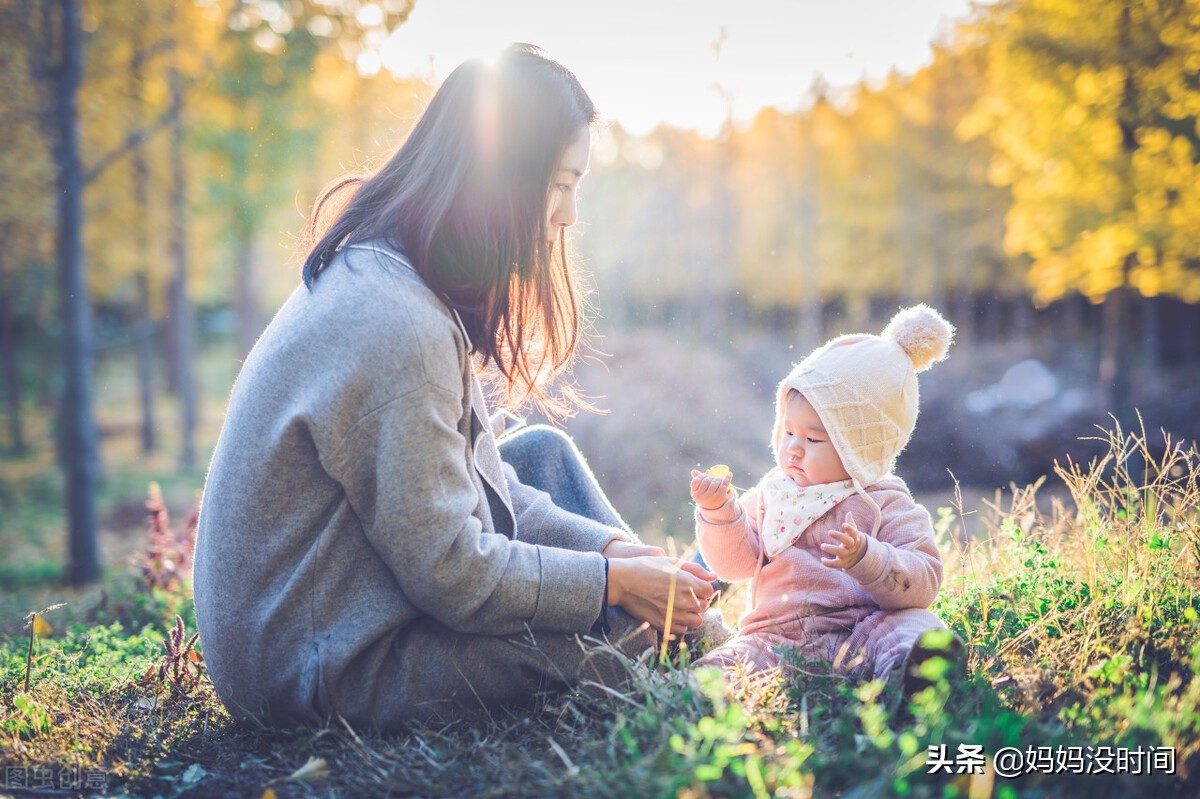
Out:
{"x": 990, "y": 313}
{"x": 811, "y": 323}
{"x": 1151, "y": 332}
{"x": 78, "y": 439}
{"x": 858, "y": 310}
{"x": 934, "y": 219}
{"x": 1115, "y": 382}
{"x": 12, "y": 374}
{"x": 1189, "y": 335}
{"x": 1116, "y": 358}
{"x": 246, "y": 300}
{"x": 1023, "y": 319}
{"x": 182, "y": 337}
{"x": 144, "y": 326}
{"x": 1075, "y": 315}
{"x": 964, "y": 311}
{"x": 170, "y": 342}
{"x": 145, "y": 362}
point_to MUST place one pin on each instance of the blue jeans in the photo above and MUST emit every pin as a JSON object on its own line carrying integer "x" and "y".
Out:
{"x": 547, "y": 459}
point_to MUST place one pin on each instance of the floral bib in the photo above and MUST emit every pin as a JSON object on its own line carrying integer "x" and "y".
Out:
{"x": 789, "y": 509}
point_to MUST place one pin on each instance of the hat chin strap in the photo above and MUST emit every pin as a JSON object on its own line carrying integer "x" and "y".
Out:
{"x": 870, "y": 501}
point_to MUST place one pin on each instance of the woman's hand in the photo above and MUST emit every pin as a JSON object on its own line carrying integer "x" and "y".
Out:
{"x": 618, "y": 548}
{"x": 645, "y": 585}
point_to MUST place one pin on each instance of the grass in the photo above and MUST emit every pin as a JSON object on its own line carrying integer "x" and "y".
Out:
{"x": 1081, "y": 631}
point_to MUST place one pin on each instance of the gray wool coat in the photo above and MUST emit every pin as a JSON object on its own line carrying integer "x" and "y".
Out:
{"x": 357, "y": 509}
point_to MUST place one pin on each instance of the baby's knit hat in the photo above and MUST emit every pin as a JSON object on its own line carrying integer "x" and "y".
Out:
{"x": 864, "y": 388}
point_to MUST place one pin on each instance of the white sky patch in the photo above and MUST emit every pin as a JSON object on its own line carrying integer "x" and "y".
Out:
{"x": 651, "y": 61}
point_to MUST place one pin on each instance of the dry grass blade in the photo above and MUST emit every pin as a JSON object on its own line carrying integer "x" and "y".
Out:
{"x": 610, "y": 691}
{"x": 315, "y": 769}
{"x": 572, "y": 769}
{"x": 666, "y": 635}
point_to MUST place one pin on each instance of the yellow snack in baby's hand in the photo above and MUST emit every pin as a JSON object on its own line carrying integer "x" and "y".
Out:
{"x": 721, "y": 471}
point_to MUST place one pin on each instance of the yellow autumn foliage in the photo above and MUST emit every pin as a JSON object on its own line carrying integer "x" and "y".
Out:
{"x": 1094, "y": 111}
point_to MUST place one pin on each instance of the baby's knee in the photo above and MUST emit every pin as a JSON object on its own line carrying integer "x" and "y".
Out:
{"x": 742, "y": 654}
{"x": 899, "y": 635}
{"x": 911, "y": 623}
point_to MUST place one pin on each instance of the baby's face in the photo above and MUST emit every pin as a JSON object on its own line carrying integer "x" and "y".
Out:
{"x": 805, "y": 452}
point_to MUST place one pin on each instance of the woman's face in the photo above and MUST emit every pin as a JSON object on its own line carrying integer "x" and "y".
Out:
{"x": 561, "y": 210}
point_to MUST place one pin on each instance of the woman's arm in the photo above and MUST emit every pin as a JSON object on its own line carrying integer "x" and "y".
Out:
{"x": 421, "y": 521}
{"x": 404, "y": 473}
{"x": 540, "y": 521}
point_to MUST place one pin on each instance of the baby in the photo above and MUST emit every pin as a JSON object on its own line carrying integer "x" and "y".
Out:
{"x": 842, "y": 559}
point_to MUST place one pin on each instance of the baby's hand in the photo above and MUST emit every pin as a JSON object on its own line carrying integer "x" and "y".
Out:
{"x": 849, "y": 550}
{"x": 711, "y": 492}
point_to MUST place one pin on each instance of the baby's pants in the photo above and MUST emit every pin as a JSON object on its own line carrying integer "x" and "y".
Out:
{"x": 873, "y": 647}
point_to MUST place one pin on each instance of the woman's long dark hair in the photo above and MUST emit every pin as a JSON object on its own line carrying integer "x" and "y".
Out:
{"x": 465, "y": 199}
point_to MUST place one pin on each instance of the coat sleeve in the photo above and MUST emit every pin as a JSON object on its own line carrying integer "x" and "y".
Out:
{"x": 404, "y": 474}
{"x": 540, "y": 521}
{"x": 728, "y": 536}
{"x": 902, "y": 567}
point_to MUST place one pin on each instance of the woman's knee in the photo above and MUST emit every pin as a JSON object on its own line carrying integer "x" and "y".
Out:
{"x": 539, "y": 438}
{"x": 534, "y": 445}
{"x": 544, "y": 457}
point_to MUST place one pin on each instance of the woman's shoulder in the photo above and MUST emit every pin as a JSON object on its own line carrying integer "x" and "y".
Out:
{"x": 369, "y": 313}
{"x": 374, "y": 270}
{"x": 374, "y": 287}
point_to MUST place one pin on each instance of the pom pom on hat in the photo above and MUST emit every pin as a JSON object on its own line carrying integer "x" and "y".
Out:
{"x": 922, "y": 333}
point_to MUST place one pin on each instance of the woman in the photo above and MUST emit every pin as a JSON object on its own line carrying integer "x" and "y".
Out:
{"x": 363, "y": 547}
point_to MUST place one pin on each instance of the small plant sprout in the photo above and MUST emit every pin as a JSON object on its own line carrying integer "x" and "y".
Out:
{"x": 167, "y": 560}
{"x": 38, "y": 627}
{"x": 181, "y": 667}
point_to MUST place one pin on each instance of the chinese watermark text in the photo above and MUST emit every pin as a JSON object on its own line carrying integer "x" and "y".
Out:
{"x": 1011, "y": 761}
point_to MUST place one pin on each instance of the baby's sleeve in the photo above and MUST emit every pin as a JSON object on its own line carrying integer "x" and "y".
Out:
{"x": 728, "y": 536}
{"x": 902, "y": 567}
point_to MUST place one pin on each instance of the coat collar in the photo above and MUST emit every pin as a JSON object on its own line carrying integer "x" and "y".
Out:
{"x": 484, "y": 454}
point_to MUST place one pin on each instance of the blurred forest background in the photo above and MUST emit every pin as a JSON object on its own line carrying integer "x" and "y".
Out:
{"x": 1038, "y": 181}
